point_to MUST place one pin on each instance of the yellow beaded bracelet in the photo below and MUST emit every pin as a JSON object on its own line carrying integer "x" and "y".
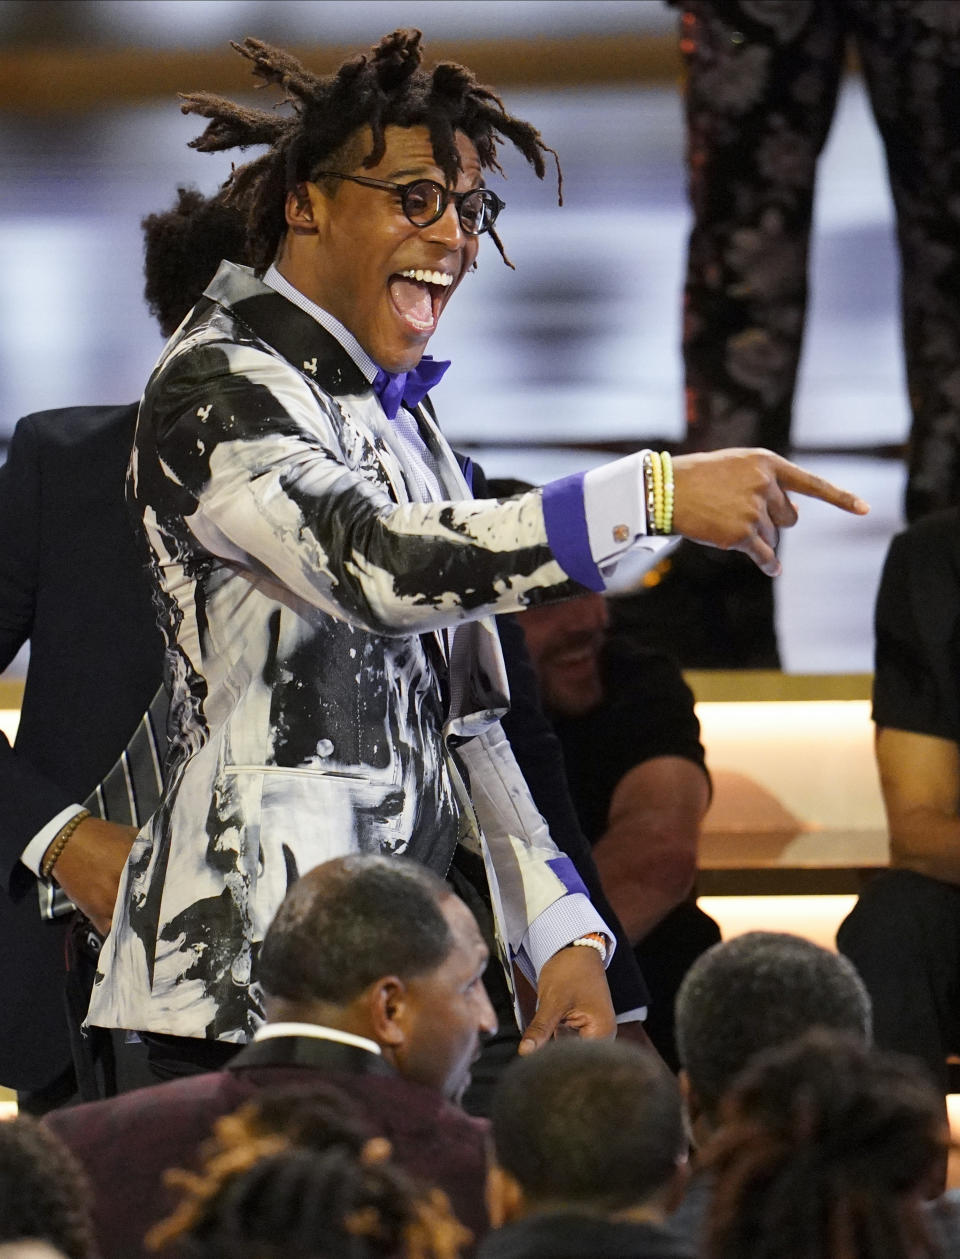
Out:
{"x": 656, "y": 468}
{"x": 664, "y": 517}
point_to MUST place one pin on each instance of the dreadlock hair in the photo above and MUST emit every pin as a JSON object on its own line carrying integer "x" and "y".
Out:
{"x": 296, "y": 1176}
{"x": 182, "y": 248}
{"x": 43, "y": 1191}
{"x": 386, "y": 88}
{"x": 825, "y": 1151}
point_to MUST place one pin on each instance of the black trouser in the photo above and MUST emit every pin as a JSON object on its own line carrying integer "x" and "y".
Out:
{"x": 103, "y": 1061}
{"x": 903, "y": 936}
{"x": 762, "y": 83}
{"x": 173, "y": 1057}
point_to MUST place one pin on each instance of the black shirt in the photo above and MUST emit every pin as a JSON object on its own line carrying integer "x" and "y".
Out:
{"x": 647, "y": 711}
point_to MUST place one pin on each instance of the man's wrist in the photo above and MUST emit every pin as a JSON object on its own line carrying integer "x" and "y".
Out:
{"x": 567, "y": 919}
{"x": 593, "y": 940}
{"x": 658, "y": 491}
{"x": 35, "y": 851}
{"x": 62, "y": 838}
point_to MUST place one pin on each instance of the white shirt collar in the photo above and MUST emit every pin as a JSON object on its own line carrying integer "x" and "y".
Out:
{"x": 314, "y": 1030}
{"x": 280, "y": 284}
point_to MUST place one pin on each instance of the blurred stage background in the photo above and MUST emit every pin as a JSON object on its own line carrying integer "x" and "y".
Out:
{"x": 570, "y": 358}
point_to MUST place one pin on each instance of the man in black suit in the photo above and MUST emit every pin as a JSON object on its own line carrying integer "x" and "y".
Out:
{"x": 372, "y": 975}
{"x": 72, "y": 583}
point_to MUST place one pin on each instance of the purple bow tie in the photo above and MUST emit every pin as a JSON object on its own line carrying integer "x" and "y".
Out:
{"x": 392, "y": 388}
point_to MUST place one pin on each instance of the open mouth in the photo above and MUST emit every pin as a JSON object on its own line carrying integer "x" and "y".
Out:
{"x": 418, "y": 296}
{"x": 575, "y": 652}
{"x": 579, "y": 658}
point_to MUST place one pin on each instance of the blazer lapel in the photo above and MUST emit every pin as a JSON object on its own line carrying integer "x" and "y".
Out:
{"x": 302, "y": 341}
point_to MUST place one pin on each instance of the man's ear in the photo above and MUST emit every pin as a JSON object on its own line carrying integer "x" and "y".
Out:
{"x": 301, "y": 210}
{"x": 688, "y": 1093}
{"x": 387, "y": 1006}
{"x": 676, "y": 1186}
{"x": 505, "y": 1201}
{"x": 699, "y": 1121}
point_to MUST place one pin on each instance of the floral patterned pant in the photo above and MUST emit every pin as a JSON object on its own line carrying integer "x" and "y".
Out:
{"x": 762, "y": 83}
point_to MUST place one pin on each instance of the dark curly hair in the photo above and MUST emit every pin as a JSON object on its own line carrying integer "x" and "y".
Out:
{"x": 597, "y": 1125}
{"x": 757, "y": 991}
{"x": 182, "y": 248}
{"x": 386, "y": 88}
{"x": 43, "y": 1191}
{"x": 295, "y": 1175}
{"x": 826, "y": 1151}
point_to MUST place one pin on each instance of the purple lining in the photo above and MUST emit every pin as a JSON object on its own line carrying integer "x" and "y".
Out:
{"x": 566, "y": 522}
{"x": 566, "y": 872}
{"x": 466, "y": 467}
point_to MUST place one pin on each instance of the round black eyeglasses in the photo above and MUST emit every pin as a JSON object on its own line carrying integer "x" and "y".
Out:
{"x": 424, "y": 201}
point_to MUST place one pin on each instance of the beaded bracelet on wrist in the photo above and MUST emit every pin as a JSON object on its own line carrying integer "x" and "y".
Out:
{"x": 63, "y": 836}
{"x": 664, "y": 520}
{"x": 592, "y": 940}
{"x": 648, "y": 501}
{"x": 657, "y": 467}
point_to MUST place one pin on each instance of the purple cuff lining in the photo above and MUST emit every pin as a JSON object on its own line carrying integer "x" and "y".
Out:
{"x": 566, "y": 872}
{"x": 466, "y": 467}
{"x": 567, "y": 536}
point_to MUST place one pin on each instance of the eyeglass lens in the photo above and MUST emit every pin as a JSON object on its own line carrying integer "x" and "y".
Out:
{"x": 425, "y": 201}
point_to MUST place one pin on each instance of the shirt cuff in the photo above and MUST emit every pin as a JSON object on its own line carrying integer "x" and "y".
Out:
{"x": 566, "y": 920}
{"x": 595, "y": 519}
{"x": 568, "y": 536}
{"x": 32, "y": 856}
{"x": 614, "y": 502}
{"x": 637, "y": 1015}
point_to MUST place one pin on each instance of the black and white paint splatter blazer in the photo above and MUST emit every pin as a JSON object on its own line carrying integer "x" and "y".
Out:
{"x": 328, "y": 642}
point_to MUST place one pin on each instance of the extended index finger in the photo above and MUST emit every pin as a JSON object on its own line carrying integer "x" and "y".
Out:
{"x": 792, "y": 477}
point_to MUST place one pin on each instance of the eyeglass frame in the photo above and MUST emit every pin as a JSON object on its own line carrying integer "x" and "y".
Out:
{"x": 403, "y": 191}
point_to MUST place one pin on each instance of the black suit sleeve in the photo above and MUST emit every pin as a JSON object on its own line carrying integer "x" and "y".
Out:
{"x": 538, "y": 753}
{"x": 28, "y": 799}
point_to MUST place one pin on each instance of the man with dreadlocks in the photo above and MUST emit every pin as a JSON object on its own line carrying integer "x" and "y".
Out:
{"x": 327, "y": 578}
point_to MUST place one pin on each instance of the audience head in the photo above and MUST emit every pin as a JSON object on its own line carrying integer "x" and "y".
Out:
{"x": 380, "y": 947}
{"x": 294, "y": 1175}
{"x": 754, "y": 992}
{"x": 564, "y": 639}
{"x": 182, "y": 249}
{"x": 826, "y": 1150}
{"x": 44, "y": 1195}
{"x": 590, "y": 1125}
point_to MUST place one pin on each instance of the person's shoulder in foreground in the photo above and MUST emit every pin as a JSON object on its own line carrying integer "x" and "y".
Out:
{"x": 824, "y": 1138}
{"x": 302, "y": 1176}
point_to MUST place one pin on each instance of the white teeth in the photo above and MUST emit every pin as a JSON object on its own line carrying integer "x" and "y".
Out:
{"x": 428, "y": 277}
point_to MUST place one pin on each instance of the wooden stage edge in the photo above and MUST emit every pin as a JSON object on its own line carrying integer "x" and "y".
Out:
{"x": 57, "y": 79}
{"x": 708, "y": 686}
